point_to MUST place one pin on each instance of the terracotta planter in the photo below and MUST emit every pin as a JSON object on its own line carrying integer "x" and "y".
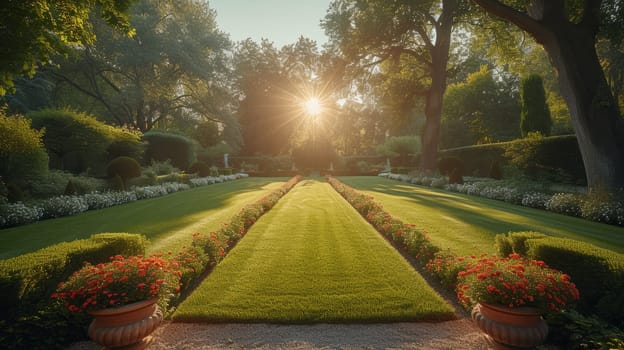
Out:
{"x": 510, "y": 328}
{"x": 127, "y": 327}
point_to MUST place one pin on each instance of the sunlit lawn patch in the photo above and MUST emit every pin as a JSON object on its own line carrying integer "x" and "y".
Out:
{"x": 169, "y": 221}
{"x": 310, "y": 259}
{"x": 467, "y": 224}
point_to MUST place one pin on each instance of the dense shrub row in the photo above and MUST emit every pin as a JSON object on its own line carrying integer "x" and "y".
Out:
{"x": 29, "y": 319}
{"x": 598, "y": 272}
{"x": 556, "y": 157}
{"x": 580, "y": 260}
{"x": 600, "y": 207}
{"x": 14, "y": 214}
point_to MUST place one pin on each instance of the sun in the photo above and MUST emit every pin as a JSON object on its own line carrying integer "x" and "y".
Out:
{"x": 313, "y": 106}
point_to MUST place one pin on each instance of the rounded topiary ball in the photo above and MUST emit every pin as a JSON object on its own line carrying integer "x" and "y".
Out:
{"x": 124, "y": 167}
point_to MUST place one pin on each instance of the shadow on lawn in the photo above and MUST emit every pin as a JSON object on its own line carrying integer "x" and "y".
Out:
{"x": 154, "y": 217}
{"x": 492, "y": 216}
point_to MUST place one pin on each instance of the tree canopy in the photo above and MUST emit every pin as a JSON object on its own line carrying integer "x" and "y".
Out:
{"x": 34, "y": 31}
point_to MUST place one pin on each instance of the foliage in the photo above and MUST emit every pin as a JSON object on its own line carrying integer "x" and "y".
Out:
{"x": 412, "y": 41}
{"x": 535, "y": 116}
{"x": 38, "y": 35}
{"x": 546, "y": 158}
{"x": 162, "y": 146}
{"x": 598, "y": 273}
{"x": 273, "y": 83}
{"x": 202, "y": 169}
{"x": 574, "y": 331}
{"x": 126, "y": 148}
{"x": 171, "y": 73}
{"x": 400, "y": 146}
{"x": 22, "y": 153}
{"x": 27, "y": 281}
{"x": 124, "y": 167}
{"x": 480, "y": 110}
{"x": 119, "y": 282}
{"x": 515, "y": 282}
{"x": 77, "y": 141}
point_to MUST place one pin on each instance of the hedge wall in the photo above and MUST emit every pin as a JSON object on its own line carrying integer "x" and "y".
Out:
{"x": 27, "y": 282}
{"x": 556, "y": 157}
{"x": 597, "y": 272}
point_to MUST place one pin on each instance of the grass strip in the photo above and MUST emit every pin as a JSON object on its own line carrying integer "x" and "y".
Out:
{"x": 169, "y": 222}
{"x": 313, "y": 259}
{"x": 467, "y": 224}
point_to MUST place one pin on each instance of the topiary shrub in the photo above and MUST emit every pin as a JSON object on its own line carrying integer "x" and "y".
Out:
{"x": 535, "y": 115}
{"x": 14, "y": 193}
{"x": 70, "y": 189}
{"x": 125, "y": 168}
{"x": 200, "y": 168}
{"x": 177, "y": 148}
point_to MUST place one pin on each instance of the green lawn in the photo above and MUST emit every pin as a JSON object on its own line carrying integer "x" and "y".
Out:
{"x": 169, "y": 222}
{"x": 468, "y": 224}
{"x": 311, "y": 259}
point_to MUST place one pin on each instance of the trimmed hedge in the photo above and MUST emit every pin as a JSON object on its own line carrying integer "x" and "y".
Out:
{"x": 27, "y": 281}
{"x": 597, "y": 272}
{"x": 557, "y": 157}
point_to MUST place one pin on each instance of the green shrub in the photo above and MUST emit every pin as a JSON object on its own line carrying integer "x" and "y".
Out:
{"x": 14, "y": 193}
{"x": 571, "y": 330}
{"x": 177, "y": 148}
{"x": 535, "y": 115}
{"x": 117, "y": 184}
{"x": 597, "y": 272}
{"x": 70, "y": 189}
{"x": 162, "y": 167}
{"x": 447, "y": 165}
{"x": 22, "y": 152}
{"x": 77, "y": 142}
{"x": 124, "y": 167}
{"x": 555, "y": 158}
{"x": 200, "y": 168}
{"x": 127, "y": 148}
{"x": 55, "y": 182}
{"x": 27, "y": 282}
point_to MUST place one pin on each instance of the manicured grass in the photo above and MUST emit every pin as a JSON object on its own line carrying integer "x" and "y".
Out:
{"x": 313, "y": 258}
{"x": 169, "y": 222}
{"x": 467, "y": 224}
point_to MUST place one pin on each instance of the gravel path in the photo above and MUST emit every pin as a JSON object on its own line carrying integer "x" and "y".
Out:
{"x": 458, "y": 334}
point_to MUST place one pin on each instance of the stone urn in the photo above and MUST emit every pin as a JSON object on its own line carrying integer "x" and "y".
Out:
{"x": 510, "y": 328}
{"x": 127, "y": 327}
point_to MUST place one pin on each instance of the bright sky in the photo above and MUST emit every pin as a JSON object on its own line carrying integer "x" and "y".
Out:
{"x": 280, "y": 21}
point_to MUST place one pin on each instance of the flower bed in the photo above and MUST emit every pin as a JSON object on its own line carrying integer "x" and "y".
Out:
{"x": 15, "y": 214}
{"x": 601, "y": 207}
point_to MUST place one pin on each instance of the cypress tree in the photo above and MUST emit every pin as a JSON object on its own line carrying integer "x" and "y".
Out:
{"x": 535, "y": 115}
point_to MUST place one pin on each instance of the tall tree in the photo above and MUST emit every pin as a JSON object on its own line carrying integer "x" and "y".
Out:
{"x": 371, "y": 31}
{"x": 568, "y": 31}
{"x": 35, "y": 30}
{"x": 173, "y": 67}
{"x": 271, "y": 85}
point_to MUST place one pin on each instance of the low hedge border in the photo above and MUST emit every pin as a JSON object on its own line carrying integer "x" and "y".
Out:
{"x": 597, "y": 272}
{"x": 30, "y": 319}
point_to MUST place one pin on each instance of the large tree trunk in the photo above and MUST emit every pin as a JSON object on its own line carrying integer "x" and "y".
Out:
{"x": 595, "y": 116}
{"x": 433, "y": 103}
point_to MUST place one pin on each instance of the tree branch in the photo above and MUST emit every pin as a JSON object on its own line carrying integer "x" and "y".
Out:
{"x": 508, "y": 13}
